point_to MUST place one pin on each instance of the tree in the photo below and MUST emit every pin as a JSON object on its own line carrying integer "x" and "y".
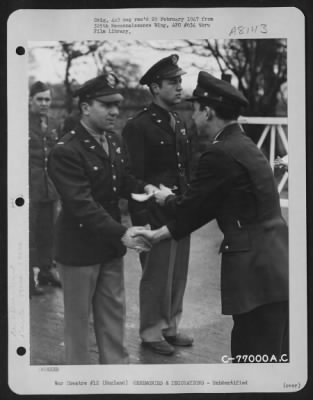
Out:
{"x": 125, "y": 70}
{"x": 259, "y": 66}
{"x": 69, "y": 52}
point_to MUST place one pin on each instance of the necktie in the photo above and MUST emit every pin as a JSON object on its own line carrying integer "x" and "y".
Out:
{"x": 43, "y": 124}
{"x": 172, "y": 121}
{"x": 104, "y": 143}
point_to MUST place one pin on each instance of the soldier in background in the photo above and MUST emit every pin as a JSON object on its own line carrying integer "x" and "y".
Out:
{"x": 43, "y": 134}
{"x": 159, "y": 152}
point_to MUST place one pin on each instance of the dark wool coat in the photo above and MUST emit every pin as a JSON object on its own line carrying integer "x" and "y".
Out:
{"x": 157, "y": 154}
{"x": 234, "y": 184}
{"x": 90, "y": 183}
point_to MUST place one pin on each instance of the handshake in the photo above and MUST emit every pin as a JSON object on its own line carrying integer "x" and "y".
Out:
{"x": 141, "y": 238}
{"x": 136, "y": 238}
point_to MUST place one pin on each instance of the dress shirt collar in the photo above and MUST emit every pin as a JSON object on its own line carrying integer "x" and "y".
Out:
{"x": 97, "y": 136}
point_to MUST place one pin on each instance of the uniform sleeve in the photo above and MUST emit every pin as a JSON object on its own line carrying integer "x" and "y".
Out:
{"x": 133, "y": 138}
{"x": 200, "y": 203}
{"x": 70, "y": 180}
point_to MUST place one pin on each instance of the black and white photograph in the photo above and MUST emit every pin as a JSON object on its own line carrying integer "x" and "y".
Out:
{"x": 156, "y": 226}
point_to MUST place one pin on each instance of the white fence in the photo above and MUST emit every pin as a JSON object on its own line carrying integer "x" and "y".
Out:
{"x": 273, "y": 127}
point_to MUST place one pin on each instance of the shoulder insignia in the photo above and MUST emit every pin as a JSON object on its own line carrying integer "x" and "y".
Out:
{"x": 141, "y": 112}
{"x": 67, "y": 137}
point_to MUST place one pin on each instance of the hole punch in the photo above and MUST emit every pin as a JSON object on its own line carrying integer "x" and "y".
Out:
{"x": 19, "y": 201}
{"x": 21, "y": 351}
{"x": 20, "y": 50}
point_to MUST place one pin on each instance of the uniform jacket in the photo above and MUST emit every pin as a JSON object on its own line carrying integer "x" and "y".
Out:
{"x": 234, "y": 183}
{"x": 40, "y": 186}
{"x": 90, "y": 184}
{"x": 157, "y": 154}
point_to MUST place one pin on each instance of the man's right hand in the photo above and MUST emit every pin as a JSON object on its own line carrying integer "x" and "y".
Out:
{"x": 133, "y": 240}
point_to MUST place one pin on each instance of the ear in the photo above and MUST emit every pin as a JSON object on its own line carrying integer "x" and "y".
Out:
{"x": 155, "y": 87}
{"x": 84, "y": 108}
{"x": 210, "y": 113}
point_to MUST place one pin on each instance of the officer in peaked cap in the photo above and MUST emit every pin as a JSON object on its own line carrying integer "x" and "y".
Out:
{"x": 43, "y": 135}
{"x": 235, "y": 185}
{"x": 164, "y": 69}
{"x": 159, "y": 152}
{"x": 103, "y": 88}
{"x": 218, "y": 92}
{"x": 88, "y": 169}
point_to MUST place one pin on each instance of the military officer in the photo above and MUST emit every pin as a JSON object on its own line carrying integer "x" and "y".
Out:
{"x": 43, "y": 135}
{"x": 234, "y": 184}
{"x": 158, "y": 148}
{"x": 87, "y": 167}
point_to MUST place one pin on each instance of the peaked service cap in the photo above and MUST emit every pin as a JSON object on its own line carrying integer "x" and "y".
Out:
{"x": 166, "y": 68}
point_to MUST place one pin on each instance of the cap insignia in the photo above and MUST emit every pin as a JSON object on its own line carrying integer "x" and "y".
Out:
{"x": 174, "y": 59}
{"x": 111, "y": 80}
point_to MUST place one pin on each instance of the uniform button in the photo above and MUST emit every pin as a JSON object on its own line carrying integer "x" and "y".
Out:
{"x": 45, "y": 148}
{"x": 122, "y": 160}
{"x": 81, "y": 225}
{"x": 114, "y": 177}
{"x": 44, "y": 139}
{"x": 73, "y": 132}
{"x": 226, "y": 247}
{"x": 114, "y": 188}
{"x": 179, "y": 165}
{"x": 95, "y": 168}
{"x": 178, "y": 153}
{"x": 46, "y": 159}
{"x": 162, "y": 142}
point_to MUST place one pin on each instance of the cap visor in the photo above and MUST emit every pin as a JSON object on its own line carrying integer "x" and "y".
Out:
{"x": 110, "y": 98}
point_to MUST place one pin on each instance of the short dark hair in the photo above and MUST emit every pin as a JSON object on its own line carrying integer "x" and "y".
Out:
{"x": 225, "y": 112}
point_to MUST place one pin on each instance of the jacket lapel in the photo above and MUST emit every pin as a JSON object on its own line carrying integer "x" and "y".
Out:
{"x": 160, "y": 118}
{"x": 90, "y": 143}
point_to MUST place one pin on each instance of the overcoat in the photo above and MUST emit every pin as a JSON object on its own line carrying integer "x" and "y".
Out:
{"x": 158, "y": 154}
{"x": 234, "y": 184}
{"x": 41, "y": 189}
{"x": 90, "y": 183}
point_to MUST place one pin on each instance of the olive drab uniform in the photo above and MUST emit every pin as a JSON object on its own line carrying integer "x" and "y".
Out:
{"x": 234, "y": 184}
{"x": 88, "y": 241}
{"x": 158, "y": 150}
{"x": 43, "y": 135}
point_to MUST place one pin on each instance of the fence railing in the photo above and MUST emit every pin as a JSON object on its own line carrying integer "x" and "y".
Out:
{"x": 273, "y": 127}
